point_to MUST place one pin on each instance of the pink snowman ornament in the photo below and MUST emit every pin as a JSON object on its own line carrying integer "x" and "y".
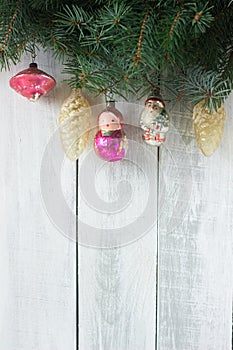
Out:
{"x": 110, "y": 141}
{"x": 154, "y": 121}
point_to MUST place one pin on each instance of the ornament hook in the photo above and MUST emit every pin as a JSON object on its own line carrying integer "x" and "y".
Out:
{"x": 109, "y": 99}
{"x": 33, "y": 52}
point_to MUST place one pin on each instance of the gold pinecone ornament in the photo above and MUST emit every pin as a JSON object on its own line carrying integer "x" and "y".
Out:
{"x": 74, "y": 124}
{"x": 208, "y": 127}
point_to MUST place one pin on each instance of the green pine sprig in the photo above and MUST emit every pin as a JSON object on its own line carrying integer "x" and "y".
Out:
{"x": 123, "y": 46}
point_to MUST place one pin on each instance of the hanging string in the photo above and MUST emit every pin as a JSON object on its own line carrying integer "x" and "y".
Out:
{"x": 33, "y": 52}
{"x": 158, "y": 235}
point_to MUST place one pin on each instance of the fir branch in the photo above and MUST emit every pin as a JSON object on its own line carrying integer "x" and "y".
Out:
{"x": 154, "y": 88}
{"x": 197, "y": 16}
{"x": 11, "y": 26}
{"x": 72, "y": 18}
{"x": 138, "y": 55}
{"x": 174, "y": 23}
{"x": 105, "y": 90}
{"x": 198, "y": 84}
{"x": 30, "y": 38}
{"x": 122, "y": 41}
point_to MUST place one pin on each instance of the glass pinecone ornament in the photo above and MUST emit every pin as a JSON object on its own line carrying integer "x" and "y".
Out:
{"x": 32, "y": 83}
{"x": 74, "y": 124}
{"x": 110, "y": 141}
{"x": 208, "y": 127}
{"x": 154, "y": 121}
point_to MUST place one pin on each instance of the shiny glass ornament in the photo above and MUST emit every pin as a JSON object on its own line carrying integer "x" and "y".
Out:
{"x": 208, "y": 127}
{"x": 32, "y": 83}
{"x": 154, "y": 121}
{"x": 74, "y": 124}
{"x": 110, "y": 141}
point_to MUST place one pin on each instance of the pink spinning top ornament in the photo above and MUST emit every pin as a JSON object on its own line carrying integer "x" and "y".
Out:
{"x": 110, "y": 141}
{"x": 32, "y": 83}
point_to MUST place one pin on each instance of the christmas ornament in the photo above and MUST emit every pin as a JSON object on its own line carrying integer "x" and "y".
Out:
{"x": 110, "y": 141}
{"x": 208, "y": 127}
{"x": 32, "y": 82}
{"x": 154, "y": 121}
{"x": 74, "y": 124}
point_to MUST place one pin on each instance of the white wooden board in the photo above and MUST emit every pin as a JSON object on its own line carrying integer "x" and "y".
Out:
{"x": 196, "y": 249}
{"x": 37, "y": 271}
{"x": 194, "y": 233}
{"x": 117, "y": 253}
{"x": 117, "y": 234}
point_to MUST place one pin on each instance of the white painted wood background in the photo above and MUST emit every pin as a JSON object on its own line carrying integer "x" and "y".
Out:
{"x": 37, "y": 271}
{"x": 117, "y": 266}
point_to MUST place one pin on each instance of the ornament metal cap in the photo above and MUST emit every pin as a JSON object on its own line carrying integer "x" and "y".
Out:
{"x": 33, "y": 65}
{"x": 32, "y": 83}
{"x": 155, "y": 96}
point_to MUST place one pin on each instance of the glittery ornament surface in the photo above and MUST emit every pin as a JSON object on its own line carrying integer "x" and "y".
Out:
{"x": 208, "y": 128}
{"x": 74, "y": 124}
{"x": 154, "y": 122}
{"x": 32, "y": 83}
{"x": 110, "y": 141}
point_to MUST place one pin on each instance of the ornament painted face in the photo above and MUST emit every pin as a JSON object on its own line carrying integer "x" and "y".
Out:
{"x": 154, "y": 122}
{"x": 108, "y": 122}
{"x": 110, "y": 141}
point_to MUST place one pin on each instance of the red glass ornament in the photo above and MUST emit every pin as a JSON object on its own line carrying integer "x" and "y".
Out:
{"x": 32, "y": 83}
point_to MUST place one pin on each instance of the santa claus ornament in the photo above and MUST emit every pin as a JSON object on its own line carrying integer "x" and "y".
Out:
{"x": 110, "y": 141}
{"x": 154, "y": 121}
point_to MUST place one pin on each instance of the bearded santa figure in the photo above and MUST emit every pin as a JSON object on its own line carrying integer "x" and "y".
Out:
{"x": 154, "y": 121}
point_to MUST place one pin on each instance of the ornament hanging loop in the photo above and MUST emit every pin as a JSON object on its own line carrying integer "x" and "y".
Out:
{"x": 109, "y": 99}
{"x": 33, "y": 56}
{"x": 33, "y": 52}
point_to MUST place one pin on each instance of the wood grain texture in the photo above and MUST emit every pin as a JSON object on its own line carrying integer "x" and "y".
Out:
{"x": 37, "y": 274}
{"x": 117, "y": 272}
{"x": 118, "y": 286}
{"x": 117, "y": 231}
{"x": 196, "y": 248}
